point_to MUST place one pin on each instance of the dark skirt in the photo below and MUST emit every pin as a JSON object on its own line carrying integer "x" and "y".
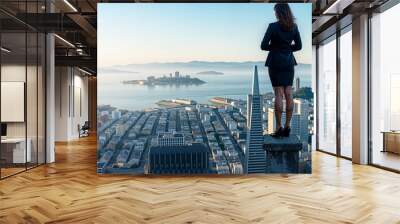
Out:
{"x": 281, "y": 77}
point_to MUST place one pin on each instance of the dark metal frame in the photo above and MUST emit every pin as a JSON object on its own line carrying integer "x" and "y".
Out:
{"x": 338, "y": 152}
{"x": 338, "y": 98}
{"x": 340, "y": 33}
{"x": 317, "y": 95}
{"x": 369, "y": 103}
{"x": 0, "y": 92}
{"x": 387, "y": 5}
{"x": 381, "y": 9}
{"x": 26, "y": 89}
{"x": 37, "y": 164}
{"x": 316, "y": 115}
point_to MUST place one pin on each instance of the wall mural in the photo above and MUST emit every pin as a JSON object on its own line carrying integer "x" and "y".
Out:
{"x": 194, "y": 89}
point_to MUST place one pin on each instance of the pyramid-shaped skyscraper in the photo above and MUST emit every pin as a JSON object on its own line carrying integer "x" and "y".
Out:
{"x": 255, "y": 155}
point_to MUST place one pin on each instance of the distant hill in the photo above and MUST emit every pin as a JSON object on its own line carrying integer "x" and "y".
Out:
{"x": 209, "y": 73}
{"x": 115, "y": 70}
{"x": 193, "y": 67}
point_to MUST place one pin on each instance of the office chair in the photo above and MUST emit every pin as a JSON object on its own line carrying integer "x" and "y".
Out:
{"x": 84, "y": 130}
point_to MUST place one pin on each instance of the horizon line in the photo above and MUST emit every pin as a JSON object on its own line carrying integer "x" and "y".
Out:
{"x": 192, "y": 61}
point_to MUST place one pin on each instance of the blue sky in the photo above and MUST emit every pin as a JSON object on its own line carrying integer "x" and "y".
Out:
{"x": 149, "y": 32}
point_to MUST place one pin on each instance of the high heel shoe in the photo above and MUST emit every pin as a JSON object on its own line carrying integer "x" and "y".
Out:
{"x": 286, "y": 132}
{"x": 278, "y": 133}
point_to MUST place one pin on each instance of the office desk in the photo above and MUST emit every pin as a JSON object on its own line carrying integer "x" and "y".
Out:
{"x": 391, "y": 141}
{"x": 13, "y": 150}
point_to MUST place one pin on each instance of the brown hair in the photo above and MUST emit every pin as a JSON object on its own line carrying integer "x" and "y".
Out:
{"x": 284, "y": 15}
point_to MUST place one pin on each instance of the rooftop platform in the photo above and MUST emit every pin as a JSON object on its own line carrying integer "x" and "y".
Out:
{"x": 286, "y": 144}
{"x": 282, "y": 154}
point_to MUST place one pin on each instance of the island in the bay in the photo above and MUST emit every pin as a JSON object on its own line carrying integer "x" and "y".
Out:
{"x": 209, "y": 73}
{"x": 176, "y": 79}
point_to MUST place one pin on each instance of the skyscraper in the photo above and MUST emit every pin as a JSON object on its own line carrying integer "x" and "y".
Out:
{"x": 255, "y": 155}
{"x": 297, "y": 86}
{"x": 180, "y": 159}
{"x": 300, "y": 119}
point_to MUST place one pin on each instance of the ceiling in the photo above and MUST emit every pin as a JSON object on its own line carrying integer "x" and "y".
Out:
{"x": 75, "y": 22}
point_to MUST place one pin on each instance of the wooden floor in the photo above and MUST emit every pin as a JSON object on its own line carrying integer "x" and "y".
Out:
{"x": 70, "y": 191}
{"x": 386, "y": 159}
{"x": 5, "y": 172}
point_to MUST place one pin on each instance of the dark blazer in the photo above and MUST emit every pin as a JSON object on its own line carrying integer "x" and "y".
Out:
{"x": 279, "y": 44}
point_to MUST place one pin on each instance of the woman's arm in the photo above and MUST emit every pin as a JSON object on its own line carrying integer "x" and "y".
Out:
{"x": 265, "y": 46}
{"x": 297, "y": 41}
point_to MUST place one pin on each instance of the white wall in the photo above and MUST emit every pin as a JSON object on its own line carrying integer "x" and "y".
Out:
{"x": 71, "y": 102}
{"x": 62, "y": 82}
{"x": 33, "y": 126}
{"x": 17, "y": 73}
{"x": 12, "y": 73}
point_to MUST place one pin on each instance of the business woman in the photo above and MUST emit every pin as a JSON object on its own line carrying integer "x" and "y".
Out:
{"x": 281, "y": 39}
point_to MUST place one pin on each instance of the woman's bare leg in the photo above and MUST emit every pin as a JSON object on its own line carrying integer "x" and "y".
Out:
{"x": 279, "y": 92}
{"x": 289, "y": 105}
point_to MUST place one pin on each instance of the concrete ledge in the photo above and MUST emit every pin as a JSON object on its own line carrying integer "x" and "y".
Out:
{"x": 282, "y": 154}
{"x": 291, "y": 143}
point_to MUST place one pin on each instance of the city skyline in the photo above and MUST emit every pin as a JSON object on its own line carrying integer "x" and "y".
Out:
{"x": 160, "y": 141}
{"x": 195, "y": 32}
